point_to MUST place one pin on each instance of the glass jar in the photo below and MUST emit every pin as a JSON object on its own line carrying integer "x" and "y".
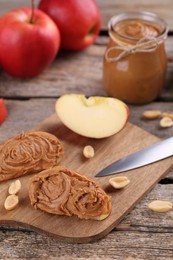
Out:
{"x": 135, "y": 60}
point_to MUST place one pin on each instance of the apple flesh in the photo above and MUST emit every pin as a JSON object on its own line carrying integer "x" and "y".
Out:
{"x": 79, "y": 21}
{"x": 27, "y": 47}
{"x": 95, "y": 117}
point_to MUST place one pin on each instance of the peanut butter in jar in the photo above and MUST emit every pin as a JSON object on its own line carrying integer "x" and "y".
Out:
{"x": 135, "y": 61}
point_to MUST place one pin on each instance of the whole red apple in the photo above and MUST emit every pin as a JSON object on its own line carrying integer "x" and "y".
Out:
{"x": 29, "y": 42}
{"x": 79, "y": 21}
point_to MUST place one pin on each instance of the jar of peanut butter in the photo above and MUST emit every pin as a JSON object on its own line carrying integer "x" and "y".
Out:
{"x": 135, "y": 60}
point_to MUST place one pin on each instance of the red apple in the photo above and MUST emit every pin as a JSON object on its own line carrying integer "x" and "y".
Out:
{"x": 79, "y": 21}
{"x": 3, "y": 111}
{"x": 27, "y": 44}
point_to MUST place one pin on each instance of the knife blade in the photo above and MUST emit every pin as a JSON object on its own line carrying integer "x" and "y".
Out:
{"x": 148, "y": 155}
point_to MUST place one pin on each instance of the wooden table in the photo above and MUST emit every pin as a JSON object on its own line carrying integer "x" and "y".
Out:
{"x": 142, "y": 234}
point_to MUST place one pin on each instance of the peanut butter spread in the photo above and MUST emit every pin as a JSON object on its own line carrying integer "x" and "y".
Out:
{"x": 28, "y": 153}
{"x": 64, "y": 192}
{"x": 136, "y": 29}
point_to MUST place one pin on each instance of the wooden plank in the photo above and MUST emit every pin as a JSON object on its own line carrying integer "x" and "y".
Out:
{"x": 143, "y": 219}
{"x": 152, "y": 125}
{"x": 118, "y": 245}
{"x": 110, "y": 8}
{"x": 74, "y": 72}
{"x": 78, "y": 72}
{"x": 23, "y": 115}
{"x": 7, "y": 5}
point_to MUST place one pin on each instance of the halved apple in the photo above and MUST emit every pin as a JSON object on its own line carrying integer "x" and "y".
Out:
{"x": 95, "y": 117}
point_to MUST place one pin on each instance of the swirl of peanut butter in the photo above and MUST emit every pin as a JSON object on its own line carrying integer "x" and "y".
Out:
{"x": 136, "y": 29}
{"x": 64, "y": 192}
{"x": 29, "y": 153}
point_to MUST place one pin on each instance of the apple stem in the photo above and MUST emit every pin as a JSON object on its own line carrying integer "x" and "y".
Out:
{"x": 32, "y": 9}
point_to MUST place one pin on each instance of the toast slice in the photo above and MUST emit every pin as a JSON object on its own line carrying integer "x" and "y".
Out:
{"x": 62, "y": 191}
{"x": 29, "y": 152}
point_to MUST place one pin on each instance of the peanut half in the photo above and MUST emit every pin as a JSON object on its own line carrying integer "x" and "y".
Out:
{"x": 11, "y": 202}
{"x": 119, "y": 182}
{"x": 166, "y": 122}
{"x": 152, "y": 114}
{"x": 160, "y": 205}
{"x": 88, "y": 151}
{"x": 14, "y": 187}
{"x": 170, "y": 115}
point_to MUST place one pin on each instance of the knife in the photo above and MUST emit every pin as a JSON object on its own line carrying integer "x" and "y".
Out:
{"x": 153, "y": 153}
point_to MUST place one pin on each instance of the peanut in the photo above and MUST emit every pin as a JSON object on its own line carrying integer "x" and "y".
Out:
{"x": 167, "y": 115}
{"x": 160, "y": 206}
{"x": 119, "y": 182}
{"x": 166, "y": 122}
{"x": 14, "y": 187}
{"x": 88, "y": 151}
{"x": 11, "y": 202}
{"x": 101, "y": 217}
{"x": 152, "y": 114}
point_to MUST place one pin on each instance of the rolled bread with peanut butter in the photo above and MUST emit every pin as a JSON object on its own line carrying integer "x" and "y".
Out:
{"x": 28, "y": 153}
{"x": 62, "y": 191}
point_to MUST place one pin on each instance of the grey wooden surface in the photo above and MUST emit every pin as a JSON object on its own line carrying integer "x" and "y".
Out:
{"x": 142, "y": 234}
{"x": 60, "y": 78}
{"x": 110, "y": 8}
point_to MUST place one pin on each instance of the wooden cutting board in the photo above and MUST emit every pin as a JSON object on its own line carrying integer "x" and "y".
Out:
{"x": 72, "y": 229}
